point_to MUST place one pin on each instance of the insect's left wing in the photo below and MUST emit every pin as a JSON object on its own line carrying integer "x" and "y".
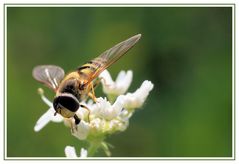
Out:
{"x": 50, "y": 75}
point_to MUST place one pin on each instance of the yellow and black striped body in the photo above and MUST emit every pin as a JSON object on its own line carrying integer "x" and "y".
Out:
{"x": 76, "y": 83}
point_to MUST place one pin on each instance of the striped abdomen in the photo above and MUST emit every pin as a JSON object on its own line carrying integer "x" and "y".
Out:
{"x": 90, "y": 68}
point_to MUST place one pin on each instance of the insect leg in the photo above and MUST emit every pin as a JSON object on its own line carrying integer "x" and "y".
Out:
{"x": 77, "y": 119}
{"x": 72, "y": 125}
{"x": 92, "y": 93}
{"x": 85, "y": 107}
{"x": 92, "y": 96}
{"x": 97, "y": 82}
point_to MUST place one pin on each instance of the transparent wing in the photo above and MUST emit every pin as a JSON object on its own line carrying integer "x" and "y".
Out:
{"x": 110, "y": 56}
{"x": 50, "y": 75}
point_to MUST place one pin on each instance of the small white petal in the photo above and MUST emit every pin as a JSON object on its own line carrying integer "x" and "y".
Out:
{"x": 42, "y": 121}
{"x": 83, "y": 153}
{"x": 120, "y": 76}
{"x": 123, "y": 81}
{"x": 117, "y": 107}
{"x": 96, "y": 108}
{"x": 57, "y": 118}
{"x": 70, "y": 152}
{"x": 136, "y": 99}
{"x": 82, "y": 130}
{"x": 107, "y": 80}
{"x": 120, "y": 86}
{"x": 46, "y": 118}
{"x": 144, "y": 89}
{"x": 125, "y": 115}
{"x": 105, "y": 110}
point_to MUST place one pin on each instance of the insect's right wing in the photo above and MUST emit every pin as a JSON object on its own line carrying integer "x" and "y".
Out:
{"x": 110, "y": 56}
{"x": 50, "y": 75}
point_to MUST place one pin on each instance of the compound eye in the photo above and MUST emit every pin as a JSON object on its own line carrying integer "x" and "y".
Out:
{"x": 56, "y": 104}
{"x": 67, "y": 102}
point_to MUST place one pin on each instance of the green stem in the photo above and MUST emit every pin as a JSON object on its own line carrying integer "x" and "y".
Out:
{"x": 94, "y": 145}
{"x": 106, "y": 148}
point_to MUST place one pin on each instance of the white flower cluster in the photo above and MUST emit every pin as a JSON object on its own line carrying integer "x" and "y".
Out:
{"x": 105, "y": 117}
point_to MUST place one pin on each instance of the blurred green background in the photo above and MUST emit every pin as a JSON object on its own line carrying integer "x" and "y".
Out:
{"x": 185, "y": 51}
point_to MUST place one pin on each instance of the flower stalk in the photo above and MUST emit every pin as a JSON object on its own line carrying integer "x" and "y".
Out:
{"x": 94, "y": 146}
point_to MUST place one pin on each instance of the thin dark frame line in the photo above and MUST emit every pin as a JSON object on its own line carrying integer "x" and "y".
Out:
{"x": 234, "y": 85}
{"x": 4, "y": 89}
{"x": 102, "y": 4}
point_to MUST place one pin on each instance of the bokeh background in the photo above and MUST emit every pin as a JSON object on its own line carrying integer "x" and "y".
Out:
{"x": 185, "y": 51}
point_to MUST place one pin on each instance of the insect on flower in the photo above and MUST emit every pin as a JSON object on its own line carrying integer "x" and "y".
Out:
{"x": 78, "y": 85}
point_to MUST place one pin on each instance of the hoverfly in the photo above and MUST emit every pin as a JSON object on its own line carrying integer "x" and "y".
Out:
{"x": 78, "y": 85}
